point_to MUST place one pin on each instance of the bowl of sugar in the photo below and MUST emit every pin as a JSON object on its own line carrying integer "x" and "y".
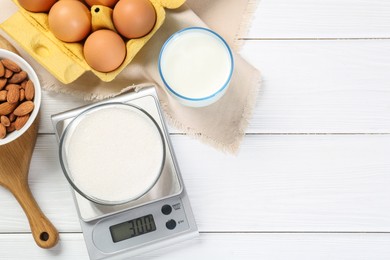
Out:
{"x": 196, "y": 65}
{"x": 112, "y": 153}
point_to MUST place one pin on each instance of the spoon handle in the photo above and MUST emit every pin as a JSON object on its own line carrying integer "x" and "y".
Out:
{"x": 43, "y": 231}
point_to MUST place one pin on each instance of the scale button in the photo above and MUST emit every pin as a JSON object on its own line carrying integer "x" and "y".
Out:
{"x": 171, "y": 224}
{"x": 166, "y": 209}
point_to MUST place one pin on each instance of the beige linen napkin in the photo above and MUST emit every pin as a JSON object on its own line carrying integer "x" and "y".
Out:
{"x": 221, "y": 124}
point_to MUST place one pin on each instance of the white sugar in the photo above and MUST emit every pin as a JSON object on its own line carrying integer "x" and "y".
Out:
{"x": 115, "y": 154}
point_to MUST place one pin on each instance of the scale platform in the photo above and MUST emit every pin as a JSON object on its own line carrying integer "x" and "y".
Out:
{"x": 161, "y": 217}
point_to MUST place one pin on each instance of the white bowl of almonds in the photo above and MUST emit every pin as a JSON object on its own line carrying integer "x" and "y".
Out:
{"x": 20, "y": 96}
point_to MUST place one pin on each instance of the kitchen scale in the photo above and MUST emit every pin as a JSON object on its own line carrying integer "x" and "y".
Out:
{"x": 160, "y": 217}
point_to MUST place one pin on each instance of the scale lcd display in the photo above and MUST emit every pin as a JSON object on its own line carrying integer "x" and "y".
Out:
{"x": 132, "y": 228}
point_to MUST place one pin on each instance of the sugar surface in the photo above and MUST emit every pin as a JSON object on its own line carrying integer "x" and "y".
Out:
{"x": 114, "y": 154}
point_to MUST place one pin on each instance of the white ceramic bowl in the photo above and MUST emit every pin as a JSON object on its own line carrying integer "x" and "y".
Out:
{"x": 4, "y": 54}
{"x": 196, "y": 66}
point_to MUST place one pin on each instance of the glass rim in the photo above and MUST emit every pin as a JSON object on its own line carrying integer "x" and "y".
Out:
{"x": 176, "y": 34}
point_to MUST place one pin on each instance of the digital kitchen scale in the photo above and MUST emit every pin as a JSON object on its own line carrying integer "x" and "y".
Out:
{"x": 161, "y": 217}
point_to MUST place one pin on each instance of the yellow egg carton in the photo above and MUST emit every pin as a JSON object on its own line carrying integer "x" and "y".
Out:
{"x": 66, "y": 60}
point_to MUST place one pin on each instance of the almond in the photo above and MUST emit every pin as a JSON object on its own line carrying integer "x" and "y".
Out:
{"x": 3, "y": 131}
{"x": 29, "y": 90}
{"x": 12, "y": 117}
{"x": 3, "y": 82}
{"x": 12, "y": 86}
{"x": 18, "y": 77}
{"x": 21, "y": 95}
{"x": 11, "y": 127}
{"x": 13, "y": 93}
{"x": 21, "y": 121}
{"x": 24, "y": 108}
{"x": 2, "y": 70}
{"x": 9, "y": 64}
{"x": 3, "y": 95}
{"x": 6, "y": 108}
{"x": 5, "y": 121}
{"x": 8, "y": 73}
{"x": 23, "y": 84}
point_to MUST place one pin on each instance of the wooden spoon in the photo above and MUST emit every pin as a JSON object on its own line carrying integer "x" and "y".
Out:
{"x": 15, "y": 158}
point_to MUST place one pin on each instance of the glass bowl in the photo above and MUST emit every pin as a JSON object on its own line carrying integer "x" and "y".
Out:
{"x": 112, "y": 153}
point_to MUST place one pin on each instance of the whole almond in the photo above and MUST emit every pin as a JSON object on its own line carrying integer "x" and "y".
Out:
{"x": 3, "y": 95}
{"x": 8, "y": 73}
{"x": 13, "y": 93}
{"x": 12, "y": 86}
{"x": 24, "y": 108}
{"x": 12, "y": 117}
{"x": 9, "y": 64}
{"x": 23, "y": 84}
{"x": 22, "y": 95}
{"x": 2, "y": 70}
{"x": 3, "y": 82}
{"x": 29, "y": 90}
{"x": 6, "y": 108}
{"x": 18, "y": 77}
{"x": 5, "y": 121}
{"x": 21, "y": 121}
{"x": 11, "y": 127}
{"x": 3, "y": 131}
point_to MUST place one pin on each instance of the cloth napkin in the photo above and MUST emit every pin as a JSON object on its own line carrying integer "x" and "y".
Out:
{"x": 221, "y": 124}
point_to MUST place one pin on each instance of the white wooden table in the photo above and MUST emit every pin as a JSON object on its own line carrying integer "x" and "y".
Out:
{"x": 312, "y": 179}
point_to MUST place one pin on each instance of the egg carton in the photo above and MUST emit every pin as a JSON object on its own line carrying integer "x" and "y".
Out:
{"x": 66, "y": 60}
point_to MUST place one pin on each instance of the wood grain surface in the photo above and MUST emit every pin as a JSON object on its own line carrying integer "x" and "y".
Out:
{"x": 224, "y": 246}
{"x": 332, "y": 19}
{"x": 312, "y": 176}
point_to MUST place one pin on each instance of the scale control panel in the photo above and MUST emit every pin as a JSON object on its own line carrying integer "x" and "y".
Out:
{"x": 139, "y": 226}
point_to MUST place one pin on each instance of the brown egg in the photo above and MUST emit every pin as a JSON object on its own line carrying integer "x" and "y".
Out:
{"x": 70, "y": 21}
{"x": 37, "y": 6}
{"x": 104, "y": 50}
{"x": 109, "y": 3}
{"x": 134, "y": 18}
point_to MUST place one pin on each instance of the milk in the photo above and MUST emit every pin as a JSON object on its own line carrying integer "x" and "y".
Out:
{"x": 195, "y": 64}
{"x": 114, "y": 154}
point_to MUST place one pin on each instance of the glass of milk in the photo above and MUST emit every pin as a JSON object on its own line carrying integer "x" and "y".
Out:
{"x": 196, "y": 65}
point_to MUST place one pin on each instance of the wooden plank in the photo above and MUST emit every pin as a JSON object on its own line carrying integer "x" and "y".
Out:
{"x": 276, "y": 183}
{"x": 308, "y": 87}
{"x": 54, "y": 103}
{"x": 321, "y": 19}
{"x": 321, "y": 86}
{"x": 222, "y": 246}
